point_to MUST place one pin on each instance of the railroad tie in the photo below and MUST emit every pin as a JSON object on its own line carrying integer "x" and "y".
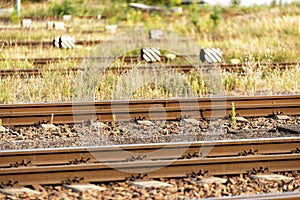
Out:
{"x": 211, "y": 55}
{"x": 150, "y": 54}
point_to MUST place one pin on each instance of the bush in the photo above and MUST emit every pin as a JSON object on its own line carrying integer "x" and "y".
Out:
{"x": 235, "y": 2}
{"x": 14, "y": 18}
{"x": 65, "y": 8}
{"x": 216, "y": 15}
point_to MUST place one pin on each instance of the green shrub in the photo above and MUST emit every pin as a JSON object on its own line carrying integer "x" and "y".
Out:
{"x": 14, "y": 18}
{"x": 235, "y": 2}
{"x": 65, "y": 8}
{"x": 216, "y": 16}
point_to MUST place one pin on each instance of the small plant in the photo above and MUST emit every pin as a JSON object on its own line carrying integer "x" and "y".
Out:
{"x": 235, "y": 2}
{"x": 52, "y": 118}
{"x": 113, "y": 120}
{"x": 233, "y": 115}
{"x": 14, "y": 18}
{"x": 1, "y": 135}
{"x": 216, "y": 16}
{"x": 65, "y": 8}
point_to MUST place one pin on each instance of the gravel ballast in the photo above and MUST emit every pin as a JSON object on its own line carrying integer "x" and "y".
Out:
{"x": 133, "y": 132}
{"x": 180, "y": 189}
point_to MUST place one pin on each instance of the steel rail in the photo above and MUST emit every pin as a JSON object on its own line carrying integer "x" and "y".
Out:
{"x": 36, "y": 72}
{"x": 180, "y": 68}
{"x": 122, "y": 153}
{"x": 44, "y": 61}
{"x": 135, "y": 58}
{"x": 268, "y": 196}
{"x": 98, "y": 172}
{"x": 45, "y": 43}
{"x": 166, "y": 109}
{"x": 47, "y": 18}
{"x": 101, "y": 30}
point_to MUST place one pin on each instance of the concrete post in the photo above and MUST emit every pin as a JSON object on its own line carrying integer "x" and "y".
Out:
{"x": 18, "y": 2}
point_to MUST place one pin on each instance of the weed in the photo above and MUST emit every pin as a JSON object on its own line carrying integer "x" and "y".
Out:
{"x": 216, "y": 16}
{"x": 233, "y": 115}
{"x": 64, "y": 8}
{"x": 235, "y": 2}
{"x": 52, "y": 118}
{"x": 14, "y": 17}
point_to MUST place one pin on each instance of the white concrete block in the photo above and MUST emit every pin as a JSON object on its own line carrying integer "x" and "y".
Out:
{"x": 144, "y": 122}
{"x": 2, "y": 129}
{"x": 26, "y": 23}
{"x": 272, "y": 177}
{"x": 241, "y": 119}
{"x": 49, "y": 126}
{"x": 178, "y": 10}
{"x": 16, "y": 191}
{"x": 192, "y": 121}
{"x": 151, "y": 183}
{"x": 282, "y": 117}
{"x": 211, "y": 179}
{"x": 59, "y": 25}
{"x": 49, "y": 25}
{"x": 99, "y": 125}
{"x": 67, "y": 17}
{"x": 84, "y": 187}
{"x": 111, "y": 28}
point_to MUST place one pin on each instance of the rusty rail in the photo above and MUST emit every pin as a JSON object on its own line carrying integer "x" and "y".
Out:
{"x": 270, "y": 196}
{"x": 166, "y": 109}
{"x": 180, "y": 68}
{"x": 37, "y": 72}
{"x": 123, "y": 153}
{"x": 39, "y": 62}
{"x": 99, "y": 172}
{"x": 45, "y": 61}
{"x": 45, "y": 43}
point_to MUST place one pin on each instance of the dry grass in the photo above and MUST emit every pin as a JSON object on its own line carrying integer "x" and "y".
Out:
{"x": 56, "y": 87}
{"x": 253, "y": 35}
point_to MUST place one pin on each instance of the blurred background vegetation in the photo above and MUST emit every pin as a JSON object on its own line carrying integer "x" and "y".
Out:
{"x": 253, "y": 35}
{"x": 267, "y": 32}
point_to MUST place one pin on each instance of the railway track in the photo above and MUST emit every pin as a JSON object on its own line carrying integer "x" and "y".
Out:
{"x": 108, "y": 165}
{"x": 122, "y": 153}
{"x": 36, "y": 72}
{"x": 135, "y": 58}
{"x": 277, "y": 196}
{"x": 155, "y": 161}
{"x": 180, "y": 68}
{"x": 5, "y": 44}
{"x": 45, "y": 61}
{"x": 167, "y": 109}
